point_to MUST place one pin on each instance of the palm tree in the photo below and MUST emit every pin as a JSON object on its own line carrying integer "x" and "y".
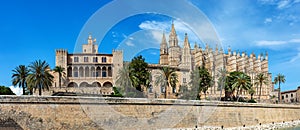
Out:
{"x": 40, "y": 77}
{"x": 61, "y": 73}
{"x": 260, "y": 79}
{"x": 242, "y": 81}
{"x": 251, "y": 92}
{"x": 173, "y": 81}
{"x": 279, "y": 79}
{"x": 123, "y": 78}
{"x": 19, "y": 76}
{"x": 166, "y": 78}
{"x": 196, "y": 89}
{"x": 222, "y": 73}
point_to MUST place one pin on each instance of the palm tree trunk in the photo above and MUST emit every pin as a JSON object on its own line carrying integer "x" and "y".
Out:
{"x": 40, "y": 90}
{"x": 260, "y": 91}
{"x": 59, "y": 80}
{"x": 237, "y": 93}
{"x": 279, "y": 94}
{"x": 23, "y": 87}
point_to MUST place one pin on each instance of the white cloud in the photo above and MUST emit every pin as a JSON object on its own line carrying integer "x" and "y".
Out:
{"x": 280, "y": 4}
{"x": 157, "y": 36}
{"x": 16, "y": 90}
{"x": 274, "y": 43}
{"x": 129, "y": 43}
{"x": 283, "y": 4}
{"x": 295, "y": 58}
{"x": 270, "y": 43}
{"x": 131, "y": 38}
{"x": 295, "y": 41}
{"x": 165, "y": 26}
{"x": 268, "y": 20}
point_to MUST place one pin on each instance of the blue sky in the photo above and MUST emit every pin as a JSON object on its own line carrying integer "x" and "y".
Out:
{"x": 33, "y": 29}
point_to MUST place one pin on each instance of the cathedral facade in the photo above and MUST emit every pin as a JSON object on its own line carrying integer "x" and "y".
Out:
{"x": 187, "y": 59}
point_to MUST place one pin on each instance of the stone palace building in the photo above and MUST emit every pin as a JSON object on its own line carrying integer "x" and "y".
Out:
{"x": 185, "y": 60}
{"x": 88, "y": 72}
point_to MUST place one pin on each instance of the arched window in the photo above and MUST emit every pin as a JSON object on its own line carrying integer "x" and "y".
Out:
{"x": 69, "y": 72}
{"x": 98, "y": 71}
{"x": 75, "y": 71}
{"x": 87, "y": 71}
{"x": 103, "y": 59}
{"x": 81, "y": 74}
{"x": 104, "y": 72}
{"x": 93, "y": 72}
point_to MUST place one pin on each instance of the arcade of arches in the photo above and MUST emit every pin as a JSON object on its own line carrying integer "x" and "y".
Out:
{"x": 89, "y": 71}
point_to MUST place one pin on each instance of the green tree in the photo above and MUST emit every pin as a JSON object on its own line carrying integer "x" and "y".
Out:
{"x": 19, "y": 76}
{"x": 61, "y": 73}
{"x": 138, "y": 73}
{"x": 242, "y": 81}
{"x": 40, "y": 77}
{"x": 260, "y": 79}
{"x": 278, "y": 80}
{"x": 205, "y": 79}
{"x": 166, "y": 78}
{"x": 6, "y": 91}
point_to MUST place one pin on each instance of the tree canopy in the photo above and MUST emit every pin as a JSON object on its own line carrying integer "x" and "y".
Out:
{"x": 138, "y": 73}
{"x": 6, "y": 91}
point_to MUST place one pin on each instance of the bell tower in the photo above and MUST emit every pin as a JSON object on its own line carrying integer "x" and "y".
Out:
{"x": 163, "y": 59}
{"x": 174, "y": 49}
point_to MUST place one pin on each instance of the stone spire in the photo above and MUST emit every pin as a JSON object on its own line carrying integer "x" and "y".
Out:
{"x": 186, "y": 42}
{"x": 173, "y": 40}
{"x": 163, "y": 60}
{"x": 186, "y": 54}
{"x": 163, "y": 45}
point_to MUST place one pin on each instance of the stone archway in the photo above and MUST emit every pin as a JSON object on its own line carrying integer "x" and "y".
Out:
{"x": 84, "y": 84}
{"x": 72, "y": 84}
{"x": 107, "y": 84}
{"x": 96, "y": 84}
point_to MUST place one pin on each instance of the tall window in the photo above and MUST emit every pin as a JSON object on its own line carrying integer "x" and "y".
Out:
{"x": 174, "y": 89}
{"x": 184, "y": 80}
{"x": 103, "y": 73}
{"x": 103, "y": 59}
{"x": 151, "y": 89}
{"x": 76, "y": 74}
{"x": 162, "y": 89}
{"x": 76, "y": 59}
{"x": 291, "y": 95}
{"x": 95, "y": 59}
{"x": 86, "y": 59}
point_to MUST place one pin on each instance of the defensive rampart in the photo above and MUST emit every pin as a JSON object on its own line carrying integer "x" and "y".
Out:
{"x": 33, "y": 112}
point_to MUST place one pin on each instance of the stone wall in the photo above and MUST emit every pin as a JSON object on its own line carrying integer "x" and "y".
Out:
{"x": 30, "y": 112}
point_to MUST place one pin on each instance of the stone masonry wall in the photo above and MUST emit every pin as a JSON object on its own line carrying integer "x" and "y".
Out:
{"x": 31, "y": 112}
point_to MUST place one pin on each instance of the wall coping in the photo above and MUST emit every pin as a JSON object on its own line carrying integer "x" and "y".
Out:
{"x": 78, "y": 100}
